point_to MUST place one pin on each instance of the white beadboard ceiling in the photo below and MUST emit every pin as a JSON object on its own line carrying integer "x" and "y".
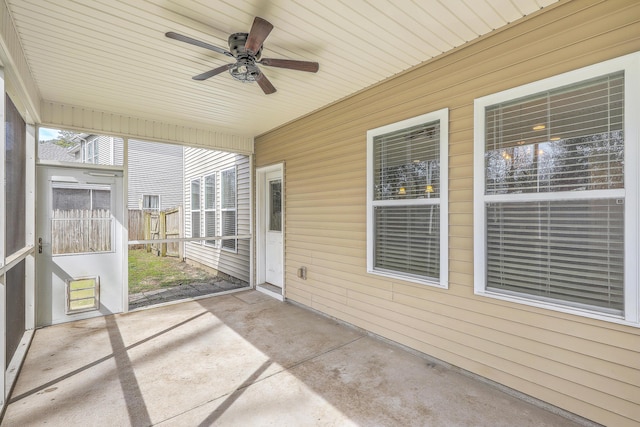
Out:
{"x": 112, "y": 55}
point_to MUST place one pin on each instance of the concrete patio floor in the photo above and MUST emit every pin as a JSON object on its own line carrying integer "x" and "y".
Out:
{"x": 244, "y": 359}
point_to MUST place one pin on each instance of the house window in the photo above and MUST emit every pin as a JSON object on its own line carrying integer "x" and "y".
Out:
{"x": 195, "y": 208}
{"x": 407, "y": 199}
{"x": 91, "y": 151}
{"x": 556, "y": 192}
{"x": 228, "y": 207}
{"x": 210, "y": 209}
{"x": 151, "y": 202}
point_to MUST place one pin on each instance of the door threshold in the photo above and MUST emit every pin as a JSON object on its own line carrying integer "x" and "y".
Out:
{"x": 271, "y": 290}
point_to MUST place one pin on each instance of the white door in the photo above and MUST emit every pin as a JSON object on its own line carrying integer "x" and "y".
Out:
{"x": 80, "y": 253}
{"x": 273, "y": 222}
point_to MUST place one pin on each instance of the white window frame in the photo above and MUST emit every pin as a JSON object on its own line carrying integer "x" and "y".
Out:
{"x": 210, "y": 243}
{"x": 630, "y": 64}
{"x": 93, "y": 158}
{"x": 443, "y": 117}
{"x": 192, "y": 210}
{"x": 151, "y": 209}
{"x": 91, "y": 188}
{"x": 234, "y": 208}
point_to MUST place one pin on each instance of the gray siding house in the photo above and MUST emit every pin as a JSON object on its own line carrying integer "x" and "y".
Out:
{"x": 98, "y": 149}
{"x": 155, "y": 175}
{"x": 217, "y": 203}
{"x": 155, "y": 169}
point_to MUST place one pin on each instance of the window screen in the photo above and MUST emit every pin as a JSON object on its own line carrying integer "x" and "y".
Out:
{"x": 15, "y": 178}
{"x": 81, "y": 219}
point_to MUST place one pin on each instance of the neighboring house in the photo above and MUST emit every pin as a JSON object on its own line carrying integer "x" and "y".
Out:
{"x": 98, "y": 149}
{"x": 155, "y": 170}
{"x": 50, "y": 151}
{"x": 217, "y": 194}
{"x": 155, "y": 175}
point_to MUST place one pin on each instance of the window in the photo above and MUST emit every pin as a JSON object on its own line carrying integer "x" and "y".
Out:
{"x": 195, "y": 208}
{"x": 556, "y": 192}
{"x": 91, "y": 151}
{"x": 150, "y": 202}
{"x": 228, "y": 207}
{"x": 210, "y": 209}
{"x": 407, "y": 199}
{"x": 275, "y": 205}
{"x": 81, "y": 219}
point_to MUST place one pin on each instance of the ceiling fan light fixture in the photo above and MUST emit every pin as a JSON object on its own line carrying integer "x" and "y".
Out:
{"x": 246, "y": 49}
{"x": 244, "y": 71}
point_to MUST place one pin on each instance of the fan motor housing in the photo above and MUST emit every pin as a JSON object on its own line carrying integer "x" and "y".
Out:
{"x": 236, "y": 46}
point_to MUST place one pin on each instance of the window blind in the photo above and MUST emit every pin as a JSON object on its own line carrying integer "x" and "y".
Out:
{"x": 406, "y": 168}
{"x": 195, "y": 208}
{"x": 228, "y": 205}
{"x": 570, "y": 139}
{"x": 406, "y": 162}
{"x": 562, "y": 141}
{"x": 210, "y": 208}
{"x": 150, "y": 202}
{"x": 229, "y": 229}
{"x": 228, "y": 178}
{"x": 567, "y": 250}
{"x": 407, "y": 240}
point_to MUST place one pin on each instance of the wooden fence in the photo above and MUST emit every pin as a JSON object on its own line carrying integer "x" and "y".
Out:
{"x": 166, "y": 224}
{"x": 81, "y": 230}
{"x": 136, "y": 227}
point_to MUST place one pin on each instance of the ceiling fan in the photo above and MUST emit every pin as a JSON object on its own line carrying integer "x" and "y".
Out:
{"x": 246, "y": 48}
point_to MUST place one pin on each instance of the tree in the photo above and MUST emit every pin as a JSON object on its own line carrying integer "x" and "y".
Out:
{"x": 64, "y": 139}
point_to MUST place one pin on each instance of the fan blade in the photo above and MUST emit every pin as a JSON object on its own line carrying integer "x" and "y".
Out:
{"x": 195, "y": 42}
{"x": 214, "y": 72}
{"x": 311, "y": 67}
{"x": 259, "y": 32}
{"x": 265, "y": 84}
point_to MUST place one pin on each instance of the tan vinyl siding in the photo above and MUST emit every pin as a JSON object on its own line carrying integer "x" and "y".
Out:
{"x": 585, "y": 366}
{"x": 197, "y": 164}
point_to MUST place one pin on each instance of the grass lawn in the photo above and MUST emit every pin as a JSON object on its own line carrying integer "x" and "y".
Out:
{"x": 148, "y": 272}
